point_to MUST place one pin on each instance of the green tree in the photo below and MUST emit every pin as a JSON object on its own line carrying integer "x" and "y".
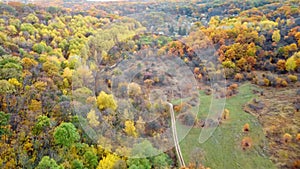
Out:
{"x": 31, "y": 18}
{"x": 4, "y": 121}
{"x": 228, "y": 64}
{"x": 90, "y": 160}
{"x": 41, "y": 47}
{"x": 48, "y": 163}
{"x": 138, "y": 163}
{"x": 6, "y": 87}
{"x": 66, "y": 134}
{"x": 144, "y": 149}
{"x": 77, "y": 164}
{"x": 2, "y": 51}
{"x": 10, "y": 67}
{"x": 161, "y": 161}
{"x": 28, "y": 28}
{"x": 81, "y": 94}
{"x": 41, "y": 124}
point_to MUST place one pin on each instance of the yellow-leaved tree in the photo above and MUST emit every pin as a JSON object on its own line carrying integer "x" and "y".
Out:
{"x": 106, "y": 101}
{"x": 93, "y": 118}
{"x": 108, "y": 162}
{"x": 276, "y": 36}
{"x": 130, "y": 129}
{"x": 290, "y": 64}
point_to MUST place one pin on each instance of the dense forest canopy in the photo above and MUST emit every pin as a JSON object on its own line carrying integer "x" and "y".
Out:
{"x": 45, "y": 49}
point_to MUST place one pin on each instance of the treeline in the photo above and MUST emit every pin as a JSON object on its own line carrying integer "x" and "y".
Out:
{"x": 40, "y": 50}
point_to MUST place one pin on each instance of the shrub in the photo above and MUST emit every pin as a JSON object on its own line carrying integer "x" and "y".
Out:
{"x": 246, "y": 127}
{"x": 281, "y": 65}
{"x": 122, "y": 89}
{"x": 287, "y": 138}
{"x": 284, "y": 83}
{"x": 293, "y": 78}
{"x": 182, "y": 107}
{"x": 90, "y": 159}
{"x": 199, "y": 76}
{"x": 4, "y": 122}
{"x": 298, "y": 137}
{"x": 105, "y": 101}
{"x": 246, "y": 143}
{"x": 296, "y": 164}
{"x": 233, "y": 87}
{"x": 120, "y": 164}
{"x": 177, "y": 108}
{"x": 225, "y": 114}
{"x": 77, "y": 164}
{"x": 196, "y": 70}
{"x": 278, "y": 81}
{"x": 134, "y": 89}
{"x": 290, "y": 64}
{"x": 41, "y": 47}
{"x": 228, "y": 64}
{"x": 48, "y": 162}
{"x": 239, "y": 77}
{"x": 108, "y": 161}
{"x": 266, "y": 82}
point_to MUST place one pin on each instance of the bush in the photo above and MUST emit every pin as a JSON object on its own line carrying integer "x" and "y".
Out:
{"x": 106, "y": 101}
{"x": 296, "y": 164}
{"x": 246, "y": 127}
{"x": 246, "y": 143}
{"x": 284, "y": 83}
{"x": 298, "y": 137}
{"x": 2, "y": 51}
{"x": 134, "y": 89}
{"x": 293, "y": 78}
{"x": 90, "y": 159}
{"x": 49, "y": 163}
{"x": 239, "y": 77}
{"x": 225, "y": 114}
{"x": 76, "y": 164}
{"x": 41, "y": 48}
{"x": 267, "y": 82}
{"x": 287, "y": 138}
{"x": 122, "y": 89}
{"x": 234, "y": 86}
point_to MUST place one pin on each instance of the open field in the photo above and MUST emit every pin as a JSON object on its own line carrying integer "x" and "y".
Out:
{"x": 223, "y": 149}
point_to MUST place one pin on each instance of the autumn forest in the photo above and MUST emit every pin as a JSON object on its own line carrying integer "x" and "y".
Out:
{"x": 150, "y": 84}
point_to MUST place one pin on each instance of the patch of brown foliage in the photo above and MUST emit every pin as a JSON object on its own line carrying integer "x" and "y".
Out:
{"x": 246, "y": 143}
